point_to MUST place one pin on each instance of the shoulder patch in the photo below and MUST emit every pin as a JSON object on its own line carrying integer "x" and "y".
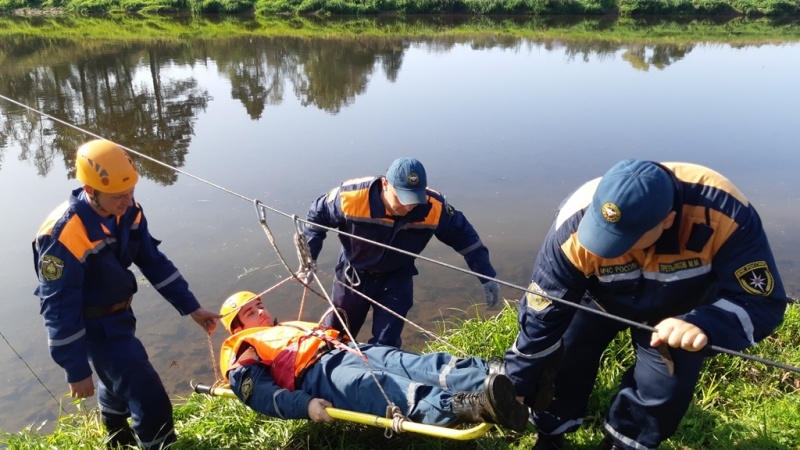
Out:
{"x": 755, "y": 278}
{"x": 534, "y": 298}
{"x": 51, "y": 268}
{"x": 450, "y": 210}
{"x": 247, "y": 388}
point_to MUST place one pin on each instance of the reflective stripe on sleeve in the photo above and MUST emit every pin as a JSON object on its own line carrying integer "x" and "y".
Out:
{"x": 744, "y": 318}
{"x": 66, "y": 340}
{"x": 169, "y": 280}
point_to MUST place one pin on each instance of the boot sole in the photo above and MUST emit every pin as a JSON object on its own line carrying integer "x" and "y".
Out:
{"x": 503, "y": 400}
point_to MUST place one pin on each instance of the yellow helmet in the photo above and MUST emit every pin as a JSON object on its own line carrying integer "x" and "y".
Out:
{"x": 104, "y": 165}
{"x": 231, "y": 305}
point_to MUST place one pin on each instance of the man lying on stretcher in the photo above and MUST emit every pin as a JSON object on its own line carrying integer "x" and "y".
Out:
{"x": 294, "y": 370}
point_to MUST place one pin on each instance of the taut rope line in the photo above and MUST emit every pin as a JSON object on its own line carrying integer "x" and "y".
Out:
{"x": 556, "y": 299}
{"x": 260, "y": 207}
{"x": 34, "y": 373}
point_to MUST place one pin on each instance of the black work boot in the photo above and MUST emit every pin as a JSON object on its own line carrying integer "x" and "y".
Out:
{"x": 549, "y": 442}
{"x": 120, "y": 434}
{"x": 608, "y": 444}
{"x": 497, "y": 403}
{"x": 496, "y": 365}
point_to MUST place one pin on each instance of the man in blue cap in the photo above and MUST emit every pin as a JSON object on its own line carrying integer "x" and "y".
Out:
{"x": 674, "y": 246}
{"x": 397, "y": 210}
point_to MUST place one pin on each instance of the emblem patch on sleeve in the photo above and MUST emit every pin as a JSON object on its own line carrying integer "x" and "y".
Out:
{"x": 51, "y": 268}
{"x": 450, "y": 210}
{"x": 755, "y": 278}
{"x": 534, "y": 298}
{"x": 247, "y": 388}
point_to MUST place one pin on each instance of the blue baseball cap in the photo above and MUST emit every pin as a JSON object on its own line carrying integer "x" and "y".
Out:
{"x": 630, "y": 200}
{"x": 407, "y": 177}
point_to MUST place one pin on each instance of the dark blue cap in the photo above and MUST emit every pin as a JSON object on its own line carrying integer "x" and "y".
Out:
{"x": 407, "y": 177}
{"x": 631, "y": 199}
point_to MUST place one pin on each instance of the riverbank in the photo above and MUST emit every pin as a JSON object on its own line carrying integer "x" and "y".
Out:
{"x": 676, "y": 8}
{"x": 598, "y": 30}
{"x": 739, "y": 404}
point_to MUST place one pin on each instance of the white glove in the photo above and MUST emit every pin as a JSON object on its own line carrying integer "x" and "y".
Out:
{"x": 491, "y": 289}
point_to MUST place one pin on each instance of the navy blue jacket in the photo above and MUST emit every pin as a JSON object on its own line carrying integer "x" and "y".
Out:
{"x": 81, "y": 262}
{"x": 355, "y": 207}
{"x": 712, "y": 268}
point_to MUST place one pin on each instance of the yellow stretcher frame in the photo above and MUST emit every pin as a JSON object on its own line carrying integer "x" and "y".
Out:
{"x": 461, "y": 434}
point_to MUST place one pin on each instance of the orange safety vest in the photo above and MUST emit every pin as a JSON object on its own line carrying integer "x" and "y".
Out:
{"x": 289, "y": 348}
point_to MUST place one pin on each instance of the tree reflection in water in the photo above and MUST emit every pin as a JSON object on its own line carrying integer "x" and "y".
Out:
{"x": 121, "y": 90}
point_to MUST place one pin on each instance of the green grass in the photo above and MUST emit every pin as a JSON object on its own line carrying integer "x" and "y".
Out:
{"x": 85, "y": 32}
{"x": 738, "y": 405}
{"x": 402, "y": 7}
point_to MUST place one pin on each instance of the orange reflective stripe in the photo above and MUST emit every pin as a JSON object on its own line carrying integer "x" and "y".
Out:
{"x": 74, "y": 238}
{"x": 696, "y": 174}
{"x": 355, "y": 204}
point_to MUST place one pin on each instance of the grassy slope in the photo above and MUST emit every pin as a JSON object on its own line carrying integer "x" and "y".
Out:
{"x": 738, "y": 405}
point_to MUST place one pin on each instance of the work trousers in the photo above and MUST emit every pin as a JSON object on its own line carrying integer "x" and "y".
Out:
{"x": 650, "y": 402}
{"x": 394, "y": 291}
{"x": 128, "y": 385}
{"x": 421, "y": 385}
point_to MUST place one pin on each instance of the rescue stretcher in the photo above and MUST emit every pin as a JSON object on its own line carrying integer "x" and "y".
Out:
{"x": 461, "y": 434}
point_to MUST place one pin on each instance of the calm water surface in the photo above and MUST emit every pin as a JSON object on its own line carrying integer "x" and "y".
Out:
{"x": 506, "y": 130}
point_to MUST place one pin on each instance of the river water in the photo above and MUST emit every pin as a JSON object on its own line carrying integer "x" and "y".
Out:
{"x": 505, "y": 127}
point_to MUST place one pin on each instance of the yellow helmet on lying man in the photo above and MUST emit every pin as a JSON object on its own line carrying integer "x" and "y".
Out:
{"x": 231, "y": 306}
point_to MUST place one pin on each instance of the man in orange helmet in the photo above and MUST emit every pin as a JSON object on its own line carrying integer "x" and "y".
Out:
{"x": 82, "y": 254}
{"x": 294, "y": 370}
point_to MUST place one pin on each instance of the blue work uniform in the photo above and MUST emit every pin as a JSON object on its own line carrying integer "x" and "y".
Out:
{"x": 385, "y": 275}
{"x": 713, "y": 268}
{"x": 421, "y": 385}
{"x": 85, "y": 286}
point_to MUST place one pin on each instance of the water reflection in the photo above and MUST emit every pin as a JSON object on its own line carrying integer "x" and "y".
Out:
{"x": 506, "y": 124}
{"x": 116, "y": 90}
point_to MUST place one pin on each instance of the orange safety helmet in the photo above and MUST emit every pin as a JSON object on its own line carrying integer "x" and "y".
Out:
{"x": 104, "y": 166}
{"x": 231, "y": 305}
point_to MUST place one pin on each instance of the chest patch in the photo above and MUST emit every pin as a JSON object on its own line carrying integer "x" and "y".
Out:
{"x": 755, "y": 278}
